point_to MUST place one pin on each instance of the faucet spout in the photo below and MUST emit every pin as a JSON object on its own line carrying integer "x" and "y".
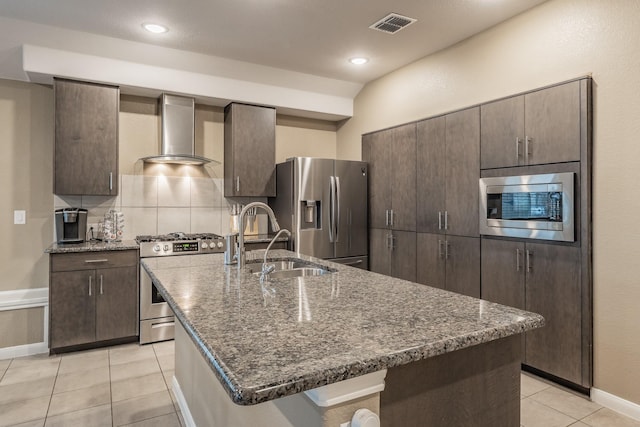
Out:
{"x": 272, "y": 218}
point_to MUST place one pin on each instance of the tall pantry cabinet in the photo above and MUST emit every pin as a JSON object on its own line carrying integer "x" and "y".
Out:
{"x": 392, "y": 199}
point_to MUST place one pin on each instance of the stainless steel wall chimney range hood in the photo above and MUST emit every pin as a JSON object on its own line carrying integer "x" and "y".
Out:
{"x": 178, "y": 132}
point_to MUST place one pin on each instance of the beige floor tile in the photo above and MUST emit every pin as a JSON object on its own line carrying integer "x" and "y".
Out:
{"x": 34, "y": 423}
{"x": 138, "y": 386}
{"x": 4, "y": 365}
{"x": 81, "y": 379}
{"x": 26, "y": 390}
{"x": 23, "y": 411}
{"x": 83, "y": 361}
{"x": 167, "y": 362}
{"x": 133, "y": 369}
{"x": 168, "y": 378}
{"x": 607, "y": 418}
{"x": 534, "y": 414}
{"x": 24, "y": 373}
{"x": 98, "y": 416}
{"x": 566, "y": 402}
{"x": 35, "y": 360}
{"x": 77, "y": 400}
{"x": 578, "y": 424}
{"x": 169, "y": 420}
{"x": 130, "y": 353}
{"x": 142, "y": 408}
{"x": 530, "y": 385}
{"x": 164, "y": 348}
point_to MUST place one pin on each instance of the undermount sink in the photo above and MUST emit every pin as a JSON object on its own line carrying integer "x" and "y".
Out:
{"x": 286, "y": 269}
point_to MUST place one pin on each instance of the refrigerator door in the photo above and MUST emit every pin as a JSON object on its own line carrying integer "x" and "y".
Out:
{"x": 351, "y": 212}
{"x": 312, "y": 206}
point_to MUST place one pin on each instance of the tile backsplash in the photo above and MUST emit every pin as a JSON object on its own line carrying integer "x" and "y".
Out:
{"x": 163, "y": 204}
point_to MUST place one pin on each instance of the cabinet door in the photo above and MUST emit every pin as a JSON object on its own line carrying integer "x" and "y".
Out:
{"x": 463, "y": 265}
{"x": 430, "y": 159}
{"x": 430, "y": 260}
{"x": 502, "y": 133}
{"x": 72, "y": 308}
{"x": 462, "y": 172}
{"x": 86, "y": 138}
{"x": 250, "y": 151}
{"x": 403, "y": 182}
{"x": 116, "y": 303}
{"x": 553, "y": 290}
{"x": 552, "y": 124}
{"x": 403, "y": 255}
{"x": 379, "y": 253}
{"x": 502, "y": 272}
{"x": 376, "y": 151}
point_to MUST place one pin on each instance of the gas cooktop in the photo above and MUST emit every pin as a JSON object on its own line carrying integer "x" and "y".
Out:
{"x": 171, "y": 237}
{"x": 180, "y": 244}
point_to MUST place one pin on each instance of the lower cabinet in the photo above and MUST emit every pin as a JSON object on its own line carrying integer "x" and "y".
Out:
{"x": 93, "y": 296}
{"x": 545, "y": 279}
{"x": 393, "y": 253}
{"x": 449, "y": 262}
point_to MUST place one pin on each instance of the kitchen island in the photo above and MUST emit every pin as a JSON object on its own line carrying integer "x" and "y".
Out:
{"x": 278, "y": 348}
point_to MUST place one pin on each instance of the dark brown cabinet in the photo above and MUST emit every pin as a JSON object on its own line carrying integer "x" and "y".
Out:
{"x": 93, "y": 297}
{"x": 536, "y": 128}
{"x": 393, "y": 253}
{"x": 448, "y": 156}
{"x": 545, "y": 279}
{"x": 249, "y": 151}
{"x": 391, "y": 155}
{"x": 86, "y": 138}
{"x": 449, "y": 262}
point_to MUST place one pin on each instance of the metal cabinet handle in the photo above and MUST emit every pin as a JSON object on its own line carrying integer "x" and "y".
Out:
{"x": 439, "y": 220}
{"x": 101, "y": 292}
{"x": 446, "y": 220}
{"x": 110, "y": 181}
{"x": 446, "y": 249}
{"x": 440, "y": 252}
{"x": 527, "y": 149}
{"x": 238, "y": 184}
{"x": 90, "y": 285}
{"x": 517, "y": 259}
{"x": 529, "y": 254}
{"x": 91, "y": 261}
{"x": 518, "y": 143}
{"x": 386, "y": 217}
{"x": 391, "y": 217}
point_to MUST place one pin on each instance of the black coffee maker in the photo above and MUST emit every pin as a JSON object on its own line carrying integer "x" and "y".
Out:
{"x": 71, "y": 225}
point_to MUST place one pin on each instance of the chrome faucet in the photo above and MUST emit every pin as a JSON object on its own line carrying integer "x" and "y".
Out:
{"x": 268, "y": 268}
{"x": 274, "y": 225}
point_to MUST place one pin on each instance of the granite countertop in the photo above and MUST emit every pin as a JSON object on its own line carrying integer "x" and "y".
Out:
{"x": 298, "y": 334}
{"x": 91, "y": 246}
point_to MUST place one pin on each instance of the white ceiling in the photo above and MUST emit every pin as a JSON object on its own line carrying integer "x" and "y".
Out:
{"x": 314, "y": 37}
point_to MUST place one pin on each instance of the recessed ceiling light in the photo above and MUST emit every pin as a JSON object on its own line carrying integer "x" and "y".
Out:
{"x": 359, "y": 61}
{"x": 155, "y": 28}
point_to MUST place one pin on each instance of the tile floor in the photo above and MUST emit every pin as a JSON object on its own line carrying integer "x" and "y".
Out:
{"x": 130, "y": 385}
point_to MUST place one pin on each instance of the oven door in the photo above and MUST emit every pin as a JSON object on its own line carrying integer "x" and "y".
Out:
{"x": 157, "y": 322}
{"x": 528, "y": 206}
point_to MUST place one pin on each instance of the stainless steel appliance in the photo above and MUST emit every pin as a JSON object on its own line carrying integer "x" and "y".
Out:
{"x": 323, "y": 202}
{"x": 156, "y": 317}
{"x": 71, "y": 225}
{"x": 528, "y": 206}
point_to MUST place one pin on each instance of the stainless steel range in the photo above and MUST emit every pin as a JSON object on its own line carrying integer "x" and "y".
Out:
{"x": 156, "y": 318}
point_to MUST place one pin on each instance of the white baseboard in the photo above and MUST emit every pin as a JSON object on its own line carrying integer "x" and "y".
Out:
{"x": 21, "y": 299}
{"x": 615, "y": 403}
{"x": 182, "y": 403}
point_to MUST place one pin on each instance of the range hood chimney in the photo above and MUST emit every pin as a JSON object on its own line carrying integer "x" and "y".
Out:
{"x": 178, "y": 132}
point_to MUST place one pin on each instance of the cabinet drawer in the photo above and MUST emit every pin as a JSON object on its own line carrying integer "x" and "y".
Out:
{"x": 93, "y": 260}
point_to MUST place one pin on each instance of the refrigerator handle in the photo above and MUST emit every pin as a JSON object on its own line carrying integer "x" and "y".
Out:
{"x": 332, "y": 207}
{"x": 336, "y": 219}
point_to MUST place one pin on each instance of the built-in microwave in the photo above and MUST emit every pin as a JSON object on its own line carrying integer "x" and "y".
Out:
{"x": 528, "y": 206}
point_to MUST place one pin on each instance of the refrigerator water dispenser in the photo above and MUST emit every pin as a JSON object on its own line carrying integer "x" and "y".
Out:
{"x": 310, "y": 214}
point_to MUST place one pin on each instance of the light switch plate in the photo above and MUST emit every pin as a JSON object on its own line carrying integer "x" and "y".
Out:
{"x": 19, "y": 217}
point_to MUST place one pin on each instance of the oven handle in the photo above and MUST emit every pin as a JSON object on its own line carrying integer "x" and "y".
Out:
{"x": 163, "y": 324}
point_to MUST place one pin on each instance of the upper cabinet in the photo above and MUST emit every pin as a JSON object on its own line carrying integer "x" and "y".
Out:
{"x": 86, "y": 138}
{"x": 249, "y": 151}
{"x": 536, "y": 128}
{"x": 448, "y": 155}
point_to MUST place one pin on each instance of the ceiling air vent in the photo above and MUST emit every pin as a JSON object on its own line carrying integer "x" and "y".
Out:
{"x": 392, "y": 23}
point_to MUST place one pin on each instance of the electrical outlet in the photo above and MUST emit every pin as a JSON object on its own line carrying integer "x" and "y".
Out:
{"x": 19, "y": 217}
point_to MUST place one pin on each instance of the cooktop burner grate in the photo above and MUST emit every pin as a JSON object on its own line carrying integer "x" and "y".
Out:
{"x": 171, "y": 237}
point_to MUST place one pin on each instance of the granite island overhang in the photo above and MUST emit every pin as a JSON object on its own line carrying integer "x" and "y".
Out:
{"x": 293, "y": 335}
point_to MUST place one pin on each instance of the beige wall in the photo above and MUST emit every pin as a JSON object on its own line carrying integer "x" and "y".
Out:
{"x": 559, "y": 40}
{"x": 31, "y": 330}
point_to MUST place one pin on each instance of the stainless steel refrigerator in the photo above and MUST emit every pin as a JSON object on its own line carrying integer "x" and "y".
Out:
{"x": 323, "y": 202}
